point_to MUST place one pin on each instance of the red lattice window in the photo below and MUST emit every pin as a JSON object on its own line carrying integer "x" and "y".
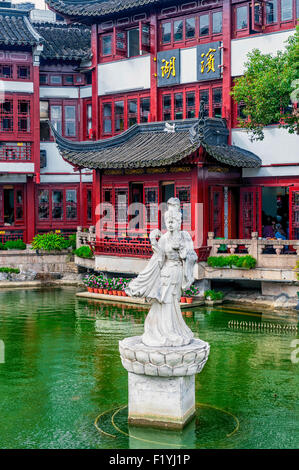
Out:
{"x": 71, "y": 204}
{"x": 217, "y": 102}
{"x": 6, "y": 116}
{"x": 6, "y": 71}
{"x": 151, "y": 199}
{"x": 15, "y": 151}
{"x": 43, "y": 204}
{"x": 23, "y": 72}
{"x": 24, "y": 116}
{"x": 183, "y": 193}
{"x": 121, "y": 206}
{"x": 89, "y": 205}
{"x": 132, "y": 112}
{"x": 204, "y": 96}
{"x": 190, "y": 105}
{"x": 216, "y": 212}
{"x": 250, "y": 211}
{"x": 107, "y": 210}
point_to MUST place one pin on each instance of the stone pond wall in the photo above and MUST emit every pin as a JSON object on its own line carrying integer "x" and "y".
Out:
{"x": 37, "y": 266}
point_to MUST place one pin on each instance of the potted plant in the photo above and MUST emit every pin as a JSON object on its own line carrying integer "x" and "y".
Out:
{"x": 213, "y": 297}
{"x": 87, "y": 283}
{"x": 189, "y": 296}
{"x": 110, "y": 286}
{"x": 124, "y": 285}
{"x": 183, "y": 300}
{"x": 119, "y": 282}
{"x": 105, "y": 287}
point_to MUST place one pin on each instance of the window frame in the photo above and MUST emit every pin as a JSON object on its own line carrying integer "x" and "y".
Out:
{"x": 15, "y": 132}
{"x": 126, "y": 98}
{"x": 263, "y": 26}
{"x": 185, "y": 90}
{"x": 63, "y": 103}
{"x": 102, "y": 36}
{"x": 279, "y": 23}
{"x": 18, "y": 222}
{"x": 243, "y": 31}
{"x": 50, "y": 221}
{"x": 14, "y": 70}
{"x": 188, "y": 42}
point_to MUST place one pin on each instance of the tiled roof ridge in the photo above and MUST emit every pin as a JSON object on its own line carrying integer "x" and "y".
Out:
{"x": 159, "y": 126}
{"x": 157, "y": 144}
{"x": 16, "y": 29}
{"x": 96, "y": 8}
{"x": 49, "y": 24}
{"x": 64, "y": 41}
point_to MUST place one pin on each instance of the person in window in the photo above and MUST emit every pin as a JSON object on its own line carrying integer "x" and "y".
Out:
{"x": 268, "y": 230}
{"x": 280, "y": 233}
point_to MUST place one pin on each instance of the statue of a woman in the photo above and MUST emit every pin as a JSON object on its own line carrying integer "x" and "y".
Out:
{"x": 169, "y": 271}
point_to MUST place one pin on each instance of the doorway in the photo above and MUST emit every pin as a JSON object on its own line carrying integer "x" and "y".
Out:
{"x": 275, "y": 211}
{"x": 9, "y": 207}
{"x": 136, "y": 197}
{"x": 167, "y": 191}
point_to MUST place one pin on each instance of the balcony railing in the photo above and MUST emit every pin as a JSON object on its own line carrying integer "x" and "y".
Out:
{"x": 269, "y": 253}
{"x": 132, "y": 247}
{"x": 6, "y": 235}
{"x": 15, "y": 151}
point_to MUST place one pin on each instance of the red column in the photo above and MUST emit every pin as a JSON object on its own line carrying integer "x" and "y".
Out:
{"x": 30, "y": 209}
{"x": 95, "y": 98}
{"x": 154, "y": 79}
{"x": 36, "y": 121}
{"x": 81, "y": 201}
{"x": 96, "y": 192}
{"x": 226, "y": 84}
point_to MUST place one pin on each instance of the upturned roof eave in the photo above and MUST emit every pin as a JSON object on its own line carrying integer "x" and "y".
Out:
{"x": 71, "y": 11}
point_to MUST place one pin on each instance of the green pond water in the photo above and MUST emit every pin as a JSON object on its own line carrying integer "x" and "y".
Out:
{"x": 62, "y": 371}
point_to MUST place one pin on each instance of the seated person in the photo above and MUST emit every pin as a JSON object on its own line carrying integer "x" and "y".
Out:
{"x": 268, "y": 230}
{"x": 280, "y": 233}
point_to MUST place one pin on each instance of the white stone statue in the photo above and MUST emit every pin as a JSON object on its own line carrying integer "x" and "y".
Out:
{"x": 168, "y": 273}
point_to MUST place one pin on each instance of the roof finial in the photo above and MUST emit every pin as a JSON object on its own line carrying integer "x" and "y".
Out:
{"x": 201, "y": 111}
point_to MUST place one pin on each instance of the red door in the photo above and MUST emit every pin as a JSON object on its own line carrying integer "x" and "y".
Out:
{"x": 250, "y": 211}
{"x": 294, "y": 213}
{"x": 217, "y": 211}
{"x": 1, "y": 207}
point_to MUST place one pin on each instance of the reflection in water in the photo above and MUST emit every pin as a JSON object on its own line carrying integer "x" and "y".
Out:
{"x": 62, "y": 369}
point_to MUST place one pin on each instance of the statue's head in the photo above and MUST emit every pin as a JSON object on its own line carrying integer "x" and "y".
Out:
{"x": 173, "y": 215}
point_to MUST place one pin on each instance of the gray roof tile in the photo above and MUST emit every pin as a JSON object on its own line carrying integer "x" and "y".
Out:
{"x": 151, "y": 145}
{"x": 15, "y": 29}
{"x": 66, "y": 42}
{"x": 78, "y": 9}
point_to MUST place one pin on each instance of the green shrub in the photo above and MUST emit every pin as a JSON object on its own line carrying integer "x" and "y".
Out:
{"x": 213, "y": 294}
{"x": 10, "y": 270}
{"x": 49, "y": 242}
{"x": 2, "y": 247}
{"x": 15, "y": 245}
{"x": 84, "y": 252}
{"x": 72, "y": 241}
{"x": 246, "y": 261}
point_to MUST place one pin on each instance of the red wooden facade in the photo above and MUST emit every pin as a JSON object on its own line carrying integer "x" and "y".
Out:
{"x": 231, "y": 206}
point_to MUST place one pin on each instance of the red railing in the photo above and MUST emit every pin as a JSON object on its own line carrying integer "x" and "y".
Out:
{"x": 135, "y": 248}
{"x": 15, "y": 151}
{"x": 6, "y": 235}
{"x": 139, "y": 248}
{"x": 203, "y": 253}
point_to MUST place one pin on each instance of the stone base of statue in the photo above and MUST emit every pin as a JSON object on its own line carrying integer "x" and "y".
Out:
{"x": 162, "y": 381}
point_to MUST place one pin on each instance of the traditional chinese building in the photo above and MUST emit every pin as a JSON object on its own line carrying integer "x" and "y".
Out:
{"x": 42, "y": 76}
{"x": 153, "y": 62}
